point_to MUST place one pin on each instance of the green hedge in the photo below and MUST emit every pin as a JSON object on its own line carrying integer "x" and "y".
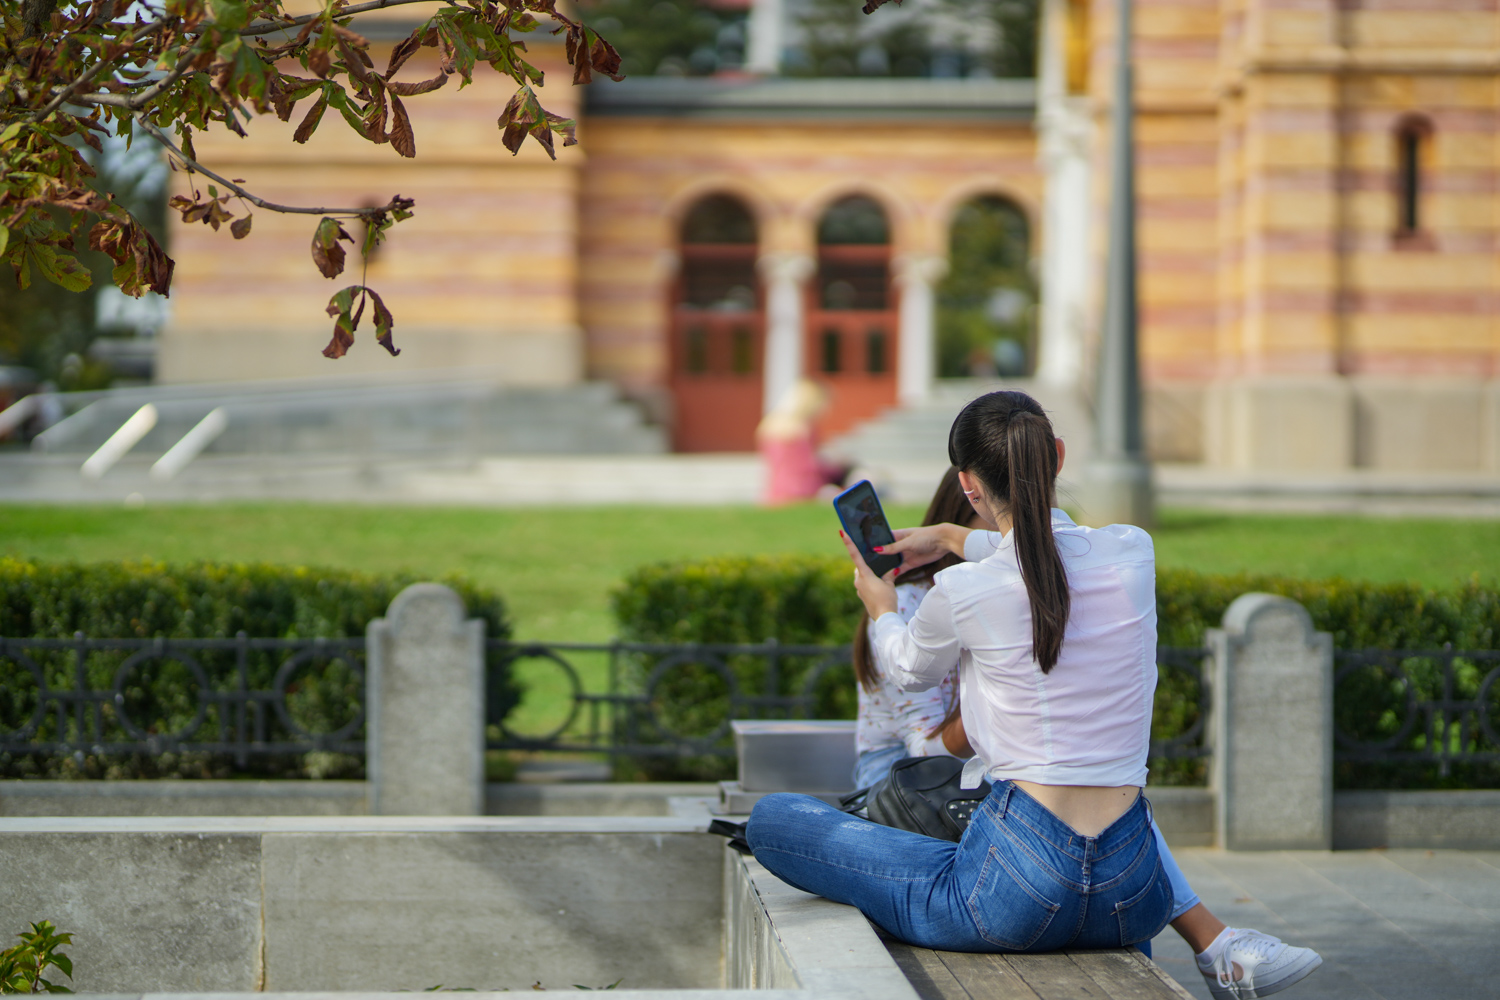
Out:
{"x": 201, "y": 600}
{"x": 810, "y": 600}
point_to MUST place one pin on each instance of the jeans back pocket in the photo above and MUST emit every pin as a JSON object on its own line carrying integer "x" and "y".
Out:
{"x": 1143, "y": 915}
{"x": 1007, "y": 912}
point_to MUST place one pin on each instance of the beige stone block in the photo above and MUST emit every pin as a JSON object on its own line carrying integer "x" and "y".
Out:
{"x": 1433, "y": 333}
{"x": 1417, "y": 424}
{"x": 1489, "y": 427}
{"x": 1291, "y": 90}
{"x": 1426, "y": 271}
{"x": 1174, "y": 421}
{"x": 541, "y": 357}
{"x": 1303, "y": 272}
{"x": 1291, "y": 211}
{"x": 1404, "y": 29}
{"x": 1464, "y": 151}
{"x": 1291, "y": 423}
{"x": 1294, "y": 28}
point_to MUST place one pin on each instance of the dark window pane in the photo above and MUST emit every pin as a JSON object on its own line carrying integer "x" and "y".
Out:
{"x": 719, "y": 284}
{"x": 1410, "y": 151}
{"x": 875, "y": 362}
{"x": 719, "y": 219}
{"x": 742, "y": 351}
{"x": 831, "y": 351}
{"x": 988, "y": 295}
{"x": 696, "y": 359}
{"x": 854, "y": 220}
{"x": 852, "y": 285}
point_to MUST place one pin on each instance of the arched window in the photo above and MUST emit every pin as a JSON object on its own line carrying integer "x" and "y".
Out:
{"x": 986, "y": 303}
{"x": 717, "y": 329}
{"x": 719, "y": 218}
{"x": 1413, "y": 137}
{"x": 851, "y": 341}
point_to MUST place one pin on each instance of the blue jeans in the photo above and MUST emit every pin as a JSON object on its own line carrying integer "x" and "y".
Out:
{"x": 1019, "y": 880}
{"x": 874, "y": 765}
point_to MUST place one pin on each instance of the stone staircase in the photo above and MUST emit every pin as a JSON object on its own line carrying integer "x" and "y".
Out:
{"x": 904, "y": 452}
{"x": 433, "y": 417}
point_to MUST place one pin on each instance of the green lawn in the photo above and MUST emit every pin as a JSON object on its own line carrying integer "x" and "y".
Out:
{"x": 555, "y": 566}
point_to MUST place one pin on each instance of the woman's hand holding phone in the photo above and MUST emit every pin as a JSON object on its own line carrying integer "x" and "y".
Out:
{"x": 877, "y": 593}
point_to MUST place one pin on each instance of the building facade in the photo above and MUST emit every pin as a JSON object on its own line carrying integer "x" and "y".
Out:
{"x": 1318, "y": 212}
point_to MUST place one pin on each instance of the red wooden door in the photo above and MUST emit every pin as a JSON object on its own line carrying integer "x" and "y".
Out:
{"x": 717, "y": 349}
{"x": 850, "y": 345}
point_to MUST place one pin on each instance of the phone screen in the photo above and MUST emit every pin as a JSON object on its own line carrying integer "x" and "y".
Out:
{"x": 864, "y": 522}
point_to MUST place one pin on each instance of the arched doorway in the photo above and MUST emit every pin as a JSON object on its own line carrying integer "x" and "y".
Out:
{"x": 986, "y": 304}
{"x": 851, "y": 329}
{"x": 718, "y": 330}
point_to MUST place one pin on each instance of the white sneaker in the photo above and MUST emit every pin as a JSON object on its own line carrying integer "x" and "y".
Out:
{"x": 1267, "y": 965}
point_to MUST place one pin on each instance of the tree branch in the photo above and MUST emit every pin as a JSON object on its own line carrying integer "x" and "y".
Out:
{"x": 193, "y": 166}
{"x": 87, "y": 76}
{"x": 267, "y": 27}
{"x": 145, "y": 97}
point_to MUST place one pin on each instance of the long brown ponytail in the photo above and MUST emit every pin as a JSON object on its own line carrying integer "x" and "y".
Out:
{"x": 1006, "y": 440}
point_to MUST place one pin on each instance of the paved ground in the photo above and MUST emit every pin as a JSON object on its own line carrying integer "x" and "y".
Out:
{"x": 730, "y": 478}
{"x": 1389, "y": 924}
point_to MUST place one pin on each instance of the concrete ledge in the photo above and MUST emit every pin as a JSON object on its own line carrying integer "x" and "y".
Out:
{"x": 182, "y": 798}
{"x": 1460, "y": 820}
{"x": 213, "y": 904}
{"x": 325, "y": 798}
{"x": 602, "y": 798}
{"x": 1184, "y": 813}
{"x": 778, "y": 937}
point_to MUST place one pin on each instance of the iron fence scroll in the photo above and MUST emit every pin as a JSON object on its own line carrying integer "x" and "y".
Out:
{"x": 1432, "y": 706}
{"x": 633, "y": 718}
{"x": 218, "y": 710}
{"x": 250, "y": 696}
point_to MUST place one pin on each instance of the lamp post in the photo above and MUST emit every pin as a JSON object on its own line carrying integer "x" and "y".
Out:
{"x": 1117, "y": 482}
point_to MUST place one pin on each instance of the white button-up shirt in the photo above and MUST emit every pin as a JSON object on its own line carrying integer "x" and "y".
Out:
{"x": 1088, "y": 721}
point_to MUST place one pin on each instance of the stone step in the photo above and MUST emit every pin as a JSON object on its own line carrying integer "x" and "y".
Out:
{"x": 448, "y": 416}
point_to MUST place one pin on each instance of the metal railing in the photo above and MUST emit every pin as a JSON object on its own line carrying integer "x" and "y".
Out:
{"x": 1391, "y": 706}
{"x": 639, "y": 714}
{"x": 217, "y": 711}
{"x": 1430, "y": 706}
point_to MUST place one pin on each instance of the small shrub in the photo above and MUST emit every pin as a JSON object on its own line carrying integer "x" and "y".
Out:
{"x": 805, "y": 599}
{"x": 22, "y": 966}
{"x": 201, "y": 600}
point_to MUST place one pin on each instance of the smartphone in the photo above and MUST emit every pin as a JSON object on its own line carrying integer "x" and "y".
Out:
{"x": 864, "y": 522}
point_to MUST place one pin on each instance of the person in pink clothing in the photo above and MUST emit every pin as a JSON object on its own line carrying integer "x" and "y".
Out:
{"x": 788, "y": 446}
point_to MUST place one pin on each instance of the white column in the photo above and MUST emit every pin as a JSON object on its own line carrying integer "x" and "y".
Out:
{"x": 916, "y": 274}
{"x": 1066, "y": 133}
{"x": 784, "y": 274}
{"x": 767, "y": 37}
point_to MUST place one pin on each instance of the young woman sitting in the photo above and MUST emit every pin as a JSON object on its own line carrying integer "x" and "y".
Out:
{"x": 1061, "y": 854}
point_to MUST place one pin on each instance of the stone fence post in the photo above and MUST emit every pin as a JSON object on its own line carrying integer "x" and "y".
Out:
{"x": 1272, "y": 727}
{"x": 425, "y": 706}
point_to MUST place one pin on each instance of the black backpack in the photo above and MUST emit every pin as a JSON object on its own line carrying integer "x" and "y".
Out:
{"x": 921, "y": 794}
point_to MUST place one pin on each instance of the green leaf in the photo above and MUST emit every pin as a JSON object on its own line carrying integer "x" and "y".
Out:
{"x": 230, "y": 15}
{"x": 11, "y": 131}
{"x": 4, "y": 236}
{"x": 60, "y": 268}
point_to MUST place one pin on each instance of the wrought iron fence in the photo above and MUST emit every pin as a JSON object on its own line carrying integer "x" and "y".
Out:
{"x": 1429, "y": 706}
{"x": 641, "y": 713}
{"x": 253, "y": 696}
{"x": 83, "y": 695}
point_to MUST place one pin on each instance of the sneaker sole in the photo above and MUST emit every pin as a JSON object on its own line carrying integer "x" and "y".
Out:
{"x": 1289, "y": 978}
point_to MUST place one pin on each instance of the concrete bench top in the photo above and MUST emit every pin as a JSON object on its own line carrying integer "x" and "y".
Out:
{"x": 1118, "y": 974}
